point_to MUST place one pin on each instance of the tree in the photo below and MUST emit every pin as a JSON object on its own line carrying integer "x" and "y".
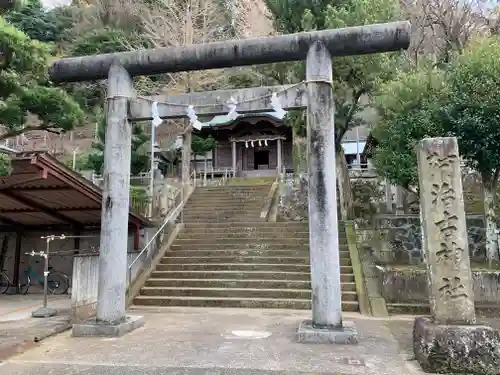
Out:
{"x": 443, "y": 26}
{"x": 139, "y": 160}
{"x": 29, "y": 102}
{"x": 39, "y": 23}
{"x": 354, "y": 77}
{"x": 200, "y": 146}
{"x": 462, "y": 101}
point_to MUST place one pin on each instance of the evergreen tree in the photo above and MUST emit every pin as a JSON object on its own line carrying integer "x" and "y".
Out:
{"x": 140, "y": 162}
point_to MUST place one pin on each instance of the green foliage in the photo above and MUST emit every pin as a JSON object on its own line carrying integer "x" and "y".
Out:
{"x": 5, "y": 167}
{"x": 200, "y": 146}
{"x": 38, "y": 23}
{"x": 290, "y": 15}
{"x": 105, "y": 40}
{"x": 406, "y": 107}
{"x": 471, "y": 105}
{"x": 461, "y": 100}
{"x": 138, "y": 192}
{"x": 91, "y": 95}
{"x": 354, "y": 76}
{"x": 139, "y": 161}
{"x": 25, "y": 88}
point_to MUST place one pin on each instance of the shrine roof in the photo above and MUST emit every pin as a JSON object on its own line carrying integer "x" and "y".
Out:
{"x": 225, "y": 121}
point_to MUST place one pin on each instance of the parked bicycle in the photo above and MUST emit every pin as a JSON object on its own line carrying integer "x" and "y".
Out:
{"x": 4, "y": 282}
{"x": 57, "y": 282}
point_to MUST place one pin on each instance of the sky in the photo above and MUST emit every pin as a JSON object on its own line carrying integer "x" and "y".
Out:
{"x": 49, "y": 4}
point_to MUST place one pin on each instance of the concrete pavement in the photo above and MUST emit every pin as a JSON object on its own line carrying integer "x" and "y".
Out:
{"x": 19, "y": 331}
{"x": 216, "y": 341}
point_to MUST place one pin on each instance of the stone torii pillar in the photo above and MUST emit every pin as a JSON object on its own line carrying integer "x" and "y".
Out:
{"x": 111, "y": 319}
{"x": 326, "y": 325}
{"x": 318, "y": 47}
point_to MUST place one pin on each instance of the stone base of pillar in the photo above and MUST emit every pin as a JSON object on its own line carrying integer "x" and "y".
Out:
{"x": 44, "y": 312}
{"x": 94, "y": 328}
{"x": 456, "y": 349}
{"x": 307, "y": 333}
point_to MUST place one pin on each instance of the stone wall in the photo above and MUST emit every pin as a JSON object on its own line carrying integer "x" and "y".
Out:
{"x": 367, "y": 195}
{"x": 409, "y": 285}
{"x": 389, "y": 238}
{"x": 397, "y": 239}
{"x": 293, "y": 202}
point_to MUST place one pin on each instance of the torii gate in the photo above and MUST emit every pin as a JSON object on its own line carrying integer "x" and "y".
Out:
{"x": 315, "y": 95}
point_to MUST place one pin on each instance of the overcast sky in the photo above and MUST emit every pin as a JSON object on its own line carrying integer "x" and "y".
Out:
{"x": 54, "y": 3}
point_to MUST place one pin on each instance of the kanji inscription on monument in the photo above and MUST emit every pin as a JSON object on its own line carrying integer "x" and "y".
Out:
{"x": 445, "y": 232}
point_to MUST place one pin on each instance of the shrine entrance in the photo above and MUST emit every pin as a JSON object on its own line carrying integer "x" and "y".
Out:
{"x": 261, "y": 159}
{"x": 314, "y": 94}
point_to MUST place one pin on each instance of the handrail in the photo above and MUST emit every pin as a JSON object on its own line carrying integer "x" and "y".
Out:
{"x": 165, "y": 222}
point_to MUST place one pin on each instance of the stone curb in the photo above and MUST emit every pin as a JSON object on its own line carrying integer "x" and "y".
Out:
{"x": 376, "y": 302}
{"x": 364, "y": 304}
{"x": 22, "y": 346}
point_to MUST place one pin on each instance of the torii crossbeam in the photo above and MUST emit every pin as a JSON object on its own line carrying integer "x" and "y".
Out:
{"x": 317, "y": 48}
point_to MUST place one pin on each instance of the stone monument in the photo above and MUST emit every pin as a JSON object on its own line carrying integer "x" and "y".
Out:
{"x": 449, "y": 341}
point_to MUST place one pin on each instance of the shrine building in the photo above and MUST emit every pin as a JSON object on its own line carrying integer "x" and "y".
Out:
{"x": 255, "y": 145}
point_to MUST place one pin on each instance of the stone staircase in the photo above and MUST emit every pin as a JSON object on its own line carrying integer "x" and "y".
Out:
{"x": 226, "y": 256}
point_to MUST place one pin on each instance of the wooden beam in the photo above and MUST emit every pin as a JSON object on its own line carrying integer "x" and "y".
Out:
{"x": 253, "y": 100}
{"x": 69, "y": 209}
{"x": 40, "y": 207}
{"x": 43, "y": 188}
{"x": 8, "y": 221}
{"x": 358, "y": 40}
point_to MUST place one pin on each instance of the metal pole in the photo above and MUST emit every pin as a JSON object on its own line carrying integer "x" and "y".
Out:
{"x": 74, "y": 158}
{"x": 45, "y": 311}
{"x": 151, "y": 176}
{"x": 46, "y": 273}
{"x": 182, "y": 202}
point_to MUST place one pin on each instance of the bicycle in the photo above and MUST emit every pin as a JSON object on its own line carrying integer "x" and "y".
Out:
{"x": 4, "y": 282}
{"x": 57, "y": 282}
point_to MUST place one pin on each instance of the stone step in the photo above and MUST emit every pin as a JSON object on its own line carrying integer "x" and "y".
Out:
{"x": 254, "y": 235}
{"x": 243, "y": 259}
{"x": 255, "y": 206}
{"x": 242, "y": 275}
{"x": 195, "y": 215}
{"x": 238, "y": 284}
{"x": 248, "y": 252}
{"x": 227, "y": 197}
{"x": 232, "y": 190}
{"x": 223, "y": 259}
{"x": 245, "y": 246}
{"x": 235, "y": 293}
{"x": 236, "y": 206}
{"x": 231, "y": 195}
{"x": 253, "y": 224}
{"x": 271, "y": 303}
{"x": 241, "y": 267}
{"x": 204, "y": 220}
{"x": 229, "y": 283}
{"x": 226, "y": 201}
{"x": 237, "y": 241}
{"x": 225, "y": 229}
